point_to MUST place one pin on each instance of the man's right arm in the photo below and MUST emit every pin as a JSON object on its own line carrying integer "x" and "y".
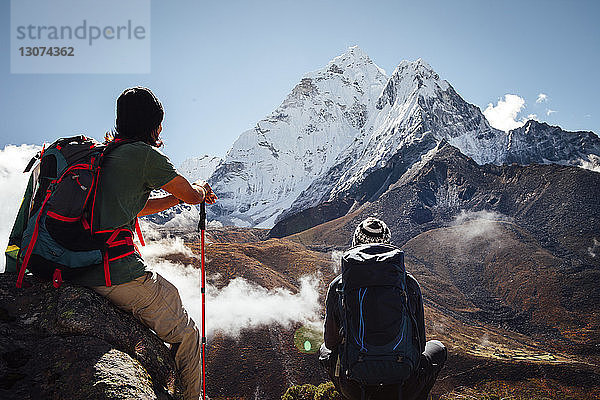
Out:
{"x": 194, "y": 193}
{"x": 159, "y": 172}
{"x": 180, "y": 190}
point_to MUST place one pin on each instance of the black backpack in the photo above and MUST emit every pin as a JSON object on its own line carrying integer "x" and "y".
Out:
{"x": 55, "y": 235}
{"x": 380, "y": 343}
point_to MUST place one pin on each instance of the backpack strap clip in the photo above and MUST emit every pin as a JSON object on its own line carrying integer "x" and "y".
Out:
{"x": 57, "y": 278}
{"x": 106, "y": 268}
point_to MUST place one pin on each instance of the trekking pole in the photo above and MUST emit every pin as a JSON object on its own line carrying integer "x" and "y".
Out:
{"x": 202, "y": 228}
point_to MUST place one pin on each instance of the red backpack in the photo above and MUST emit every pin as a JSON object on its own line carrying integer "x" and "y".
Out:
{"x": 56, "y": 227}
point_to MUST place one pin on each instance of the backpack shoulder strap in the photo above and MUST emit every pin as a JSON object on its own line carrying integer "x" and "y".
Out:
{"x": 107, "y": 149}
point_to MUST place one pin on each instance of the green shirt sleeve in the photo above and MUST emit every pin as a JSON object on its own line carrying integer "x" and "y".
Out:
{"x": 158, "y": 169}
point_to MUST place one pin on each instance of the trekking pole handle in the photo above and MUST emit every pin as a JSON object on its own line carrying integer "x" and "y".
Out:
{"x": 202, "y": 221}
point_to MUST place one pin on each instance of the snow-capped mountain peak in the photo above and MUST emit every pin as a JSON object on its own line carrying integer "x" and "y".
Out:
{"x": 199, "y": 167}
{"x": 411, "y": 79}
{"x": 346, "y": 132}
{"x": 354, "y": 59}
{"x": 270, "y": 165}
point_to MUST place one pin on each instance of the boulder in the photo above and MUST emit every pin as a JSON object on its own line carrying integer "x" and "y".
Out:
{"x": 71, "y": 343}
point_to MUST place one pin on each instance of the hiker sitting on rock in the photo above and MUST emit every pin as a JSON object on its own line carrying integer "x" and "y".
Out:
{"x": 129, "y": 173}
{"x": 375, "y": 345}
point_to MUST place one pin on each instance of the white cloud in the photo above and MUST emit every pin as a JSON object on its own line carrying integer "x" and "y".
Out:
{"x": 550, "y": 112}
{"x": 239, "y": 305}
{"x": 483, "y": 215}
{"x": 471, "y": 226}
{"x": 13, "y": 160}
{"x": 542, "y": 98}
{"x": 503, "y": 116}
{"x": 533, "y": 117}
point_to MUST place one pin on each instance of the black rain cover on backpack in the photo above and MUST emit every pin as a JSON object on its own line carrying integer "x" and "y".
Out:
{"x": 379, "y": 345}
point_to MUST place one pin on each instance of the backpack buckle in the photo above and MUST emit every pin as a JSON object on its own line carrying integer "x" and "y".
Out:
{"x": 400, "y": 359}
{"x": 57, "y": 278}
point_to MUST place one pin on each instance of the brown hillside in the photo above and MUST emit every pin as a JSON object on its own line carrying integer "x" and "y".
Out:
{"x": 495, "y": 330}
{"x": 496, "y": 273}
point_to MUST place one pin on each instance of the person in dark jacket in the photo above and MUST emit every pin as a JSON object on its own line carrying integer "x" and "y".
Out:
{"x": 433, "y": 352}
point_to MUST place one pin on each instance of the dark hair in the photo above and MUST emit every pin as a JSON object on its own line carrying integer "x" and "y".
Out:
{"x": 139, "y": 114}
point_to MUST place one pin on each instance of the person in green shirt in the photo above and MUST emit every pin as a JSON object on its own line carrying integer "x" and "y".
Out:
{"x": 129, "y": 173}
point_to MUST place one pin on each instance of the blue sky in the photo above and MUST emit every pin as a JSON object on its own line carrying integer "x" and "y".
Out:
{"x": 221, "y": 66}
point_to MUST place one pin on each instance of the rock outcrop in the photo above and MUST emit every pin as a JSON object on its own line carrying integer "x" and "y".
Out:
{"x": 70, "y": 343}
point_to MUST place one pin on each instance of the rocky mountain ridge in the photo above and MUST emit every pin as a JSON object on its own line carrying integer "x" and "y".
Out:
{"x": 558, "y": 204}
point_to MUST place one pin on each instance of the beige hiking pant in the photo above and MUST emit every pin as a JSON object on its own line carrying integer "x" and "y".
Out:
{"x": 156, "y": 303}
